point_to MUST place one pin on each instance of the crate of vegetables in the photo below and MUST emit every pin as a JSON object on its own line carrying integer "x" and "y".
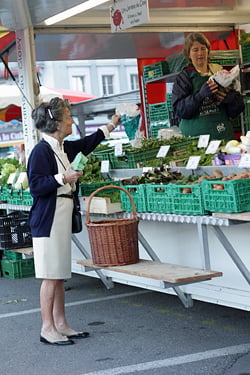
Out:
{"x": 231, "y": 194}
{"x": 138, "y": 193}
{"x": 132, "y": 158}
{"x": 187, "y": 199}
{"x": 158, "y": 198}
{"x": 85, "y": 189}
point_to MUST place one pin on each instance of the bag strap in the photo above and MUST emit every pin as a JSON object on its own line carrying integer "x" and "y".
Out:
{"x": 59, "y": 159}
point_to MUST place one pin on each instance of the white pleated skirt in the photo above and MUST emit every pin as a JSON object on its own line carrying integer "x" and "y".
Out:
{"x": 52, "y": 255}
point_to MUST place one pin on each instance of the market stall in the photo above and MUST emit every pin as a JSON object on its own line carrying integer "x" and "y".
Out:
{"x": 201, "y": 242}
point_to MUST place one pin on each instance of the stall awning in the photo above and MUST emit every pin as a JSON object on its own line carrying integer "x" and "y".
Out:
{"x": 11, "y": 95}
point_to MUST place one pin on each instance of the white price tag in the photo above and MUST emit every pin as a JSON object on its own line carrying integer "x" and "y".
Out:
{"x": 248, "y": 133}
{"x": 213, "y": 147}
{"x": 146, "y": 169}
{"x": 118, "y": 149}
{"x": 203, "y": 140}
{"x": 163, "y": 151}
{"x": 105, "y": 166}
{"x": 193, "y": 162}
{"x": 244, "y": 161}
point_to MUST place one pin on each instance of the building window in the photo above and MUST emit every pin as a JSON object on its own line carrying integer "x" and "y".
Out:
{"x": 134, "y": 82}
{"x": 107, "y": 84}
{"x": 78, "y": 82}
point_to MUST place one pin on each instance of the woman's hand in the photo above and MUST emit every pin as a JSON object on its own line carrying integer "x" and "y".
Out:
{"x": 114, "y": 122}
{"x": 208, "y": 88}
{"x": 224, "y": 95}
{"x": 116, "y": 119}
{"x": 72, "y": 176}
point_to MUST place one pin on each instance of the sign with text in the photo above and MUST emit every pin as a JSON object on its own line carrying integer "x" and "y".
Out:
{"x": 193, "y": 162}
{"x": 12, "y": 136}
{"x": 213, "y": 147}
{"x": 163, "y": 151}
{"x": 128, "y": 13}
{"x": 203, "y": 140}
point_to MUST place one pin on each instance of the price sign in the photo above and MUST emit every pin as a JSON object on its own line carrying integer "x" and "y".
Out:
{"x": 193, "y": 162}
{"x": 163, "y": 151}
{"x": 244, "y": 161}
{"x": 213, "y": 147}
{"x": 105, "y": 166}
{"x": 118, "y": 149}
{"x": 203, "y": 140}
{"x": 146, "y": 169}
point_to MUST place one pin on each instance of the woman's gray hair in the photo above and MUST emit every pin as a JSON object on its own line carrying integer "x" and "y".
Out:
{"x": 195, "y": 37}
{"x": 47, "y": 114}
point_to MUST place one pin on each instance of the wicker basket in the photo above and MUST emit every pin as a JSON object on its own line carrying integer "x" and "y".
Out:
{"x": 113, "y": 242}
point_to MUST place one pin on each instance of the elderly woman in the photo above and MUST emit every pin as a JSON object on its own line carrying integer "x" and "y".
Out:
{"x": 200, "y": 104}
{"x": 52, "y": 184}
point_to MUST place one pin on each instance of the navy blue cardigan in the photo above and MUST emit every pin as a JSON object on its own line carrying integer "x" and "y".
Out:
{"x": 41, "y": 168}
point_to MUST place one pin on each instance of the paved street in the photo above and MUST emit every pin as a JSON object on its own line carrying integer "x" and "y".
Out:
{"x": 133, "y": 331}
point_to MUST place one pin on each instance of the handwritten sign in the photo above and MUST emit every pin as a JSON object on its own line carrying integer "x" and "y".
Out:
{"x": 105, "y": 166}
{"x": 213, "y": 147}
{"x": 118, "y": 149}
{"x": 125, "y": 14}
{"x": 203, "y": 140}
{"x": 163, "y": 151}
{"x": 193, "y": 162}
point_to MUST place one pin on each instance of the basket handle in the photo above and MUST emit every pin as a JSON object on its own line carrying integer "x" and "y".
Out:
{"x": 109, "y": 187}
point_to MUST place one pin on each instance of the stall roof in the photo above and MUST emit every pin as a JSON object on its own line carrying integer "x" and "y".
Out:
{"x": 88, "y": 35}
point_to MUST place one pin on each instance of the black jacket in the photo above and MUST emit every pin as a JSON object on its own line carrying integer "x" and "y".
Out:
{"x": 186, "y": 103}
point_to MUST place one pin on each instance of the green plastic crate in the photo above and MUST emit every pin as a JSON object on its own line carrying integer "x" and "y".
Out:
{"x": 139, "y": 196}
{"x": 183, "y": 143}
{"x": 156, "y": 70}
{"x": 4, "y": 193}
{"x": 245, "y": 49}
{"x": 224, "y": 57}
{"x": 86, "y": 189}
{"x": 21, "y": 197}
{"x": 12, "y": 255}
{"x": 158, "y": 198}
{"x": 132, "y": 159}
{"x": 103, "y": 154}
{"x": 235, "y": 197}
{"x": 18, "y": 269}
{"x": 187, "y": 203}
{"x": 158, "y": 113}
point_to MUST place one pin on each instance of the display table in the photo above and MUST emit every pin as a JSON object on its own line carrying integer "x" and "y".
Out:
{"x": 218, "y": 242}
{"x": 207, "y": 244}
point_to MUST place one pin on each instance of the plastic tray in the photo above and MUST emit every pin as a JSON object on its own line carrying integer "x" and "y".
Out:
{"x": 87, "y": 189}
{"x": 20, "y": 197}
{"x": 132, "y": 159}
{"x": 17, "y": 269}
{"x": 187, "y": 203}
{"x": 156, "y": 70}
{"x": 15, "y": 231}
{"x": 235, "y": 197}
{"x": 138, "y": 193}
{"x": 245, "y": 52}
{"x": 158, "y": 112}
{"x": 158, "y": 198}
{"x": 12, "y": 255}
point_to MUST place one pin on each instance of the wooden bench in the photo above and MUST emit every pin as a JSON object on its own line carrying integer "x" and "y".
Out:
{"x": 23, "y": 250}
{"x": 170, "y": 273}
